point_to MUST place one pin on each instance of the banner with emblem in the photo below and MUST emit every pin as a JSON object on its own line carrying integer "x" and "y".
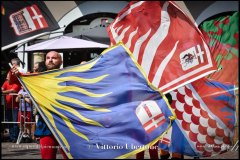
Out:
{"x": 165, "y": 42}
{"x": 105, "y": 108}
{"x": 24, "y": 20}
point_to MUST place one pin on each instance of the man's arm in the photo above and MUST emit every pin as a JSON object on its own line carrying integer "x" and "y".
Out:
{"x": 9, "y": 91}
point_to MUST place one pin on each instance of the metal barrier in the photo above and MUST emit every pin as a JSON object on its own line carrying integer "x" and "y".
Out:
{"x": 11, "y": 94}
{"x": 23, "y": 123}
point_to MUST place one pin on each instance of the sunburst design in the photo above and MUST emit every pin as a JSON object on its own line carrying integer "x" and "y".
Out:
{"x": 46, "y": 91}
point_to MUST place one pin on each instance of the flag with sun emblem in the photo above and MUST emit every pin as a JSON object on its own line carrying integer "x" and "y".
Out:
{"x": 105, "y": 108}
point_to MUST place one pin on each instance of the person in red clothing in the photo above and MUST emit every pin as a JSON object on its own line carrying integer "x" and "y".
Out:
{"x": 48, "y": 143}
{"x": 9, "y": 88}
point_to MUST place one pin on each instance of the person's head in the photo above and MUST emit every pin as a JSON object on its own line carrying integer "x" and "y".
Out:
{"x": 22, "y": 88}
{"x": 15, "y": 62}
{"x": 11, "y": 78}
{"x": 39, "y": 67}
{"x": 35, "y": 67}
{"x": 53, "y": 60}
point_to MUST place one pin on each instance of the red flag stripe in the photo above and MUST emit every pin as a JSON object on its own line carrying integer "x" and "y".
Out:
{"x": 165, "y": 141}
{"x": 153, "y": 127}
{"x": 148, "y": 111}
{"x": 155, "y": 118}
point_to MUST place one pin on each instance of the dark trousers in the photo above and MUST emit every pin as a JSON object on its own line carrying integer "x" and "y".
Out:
{"x": 153, "y": 152}
{"x": 11, "y": 116}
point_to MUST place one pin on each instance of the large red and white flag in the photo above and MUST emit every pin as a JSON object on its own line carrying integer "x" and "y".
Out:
{"x": 165, "y": 42}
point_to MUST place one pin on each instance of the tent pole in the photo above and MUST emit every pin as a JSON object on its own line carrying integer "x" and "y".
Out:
{"x": 23, "y": 55}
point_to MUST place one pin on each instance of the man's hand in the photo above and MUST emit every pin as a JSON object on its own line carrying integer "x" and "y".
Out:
{"x": 15, "y": 71}
{"x": 20, "y": 95}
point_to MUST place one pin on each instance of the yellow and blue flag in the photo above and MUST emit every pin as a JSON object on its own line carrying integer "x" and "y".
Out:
{"x": 105, "y": 108}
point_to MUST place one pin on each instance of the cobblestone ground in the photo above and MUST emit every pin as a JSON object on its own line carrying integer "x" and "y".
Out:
{"x": 31, "y": 151}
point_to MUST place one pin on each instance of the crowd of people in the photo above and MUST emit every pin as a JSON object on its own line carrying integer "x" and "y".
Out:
{"x": 10, "y": 89}
{"x": 19, "y": 115}
{"x": 20, "y": 111}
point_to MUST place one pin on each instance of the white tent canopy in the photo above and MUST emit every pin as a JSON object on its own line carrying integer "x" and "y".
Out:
{"x": 63, "y": 43}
